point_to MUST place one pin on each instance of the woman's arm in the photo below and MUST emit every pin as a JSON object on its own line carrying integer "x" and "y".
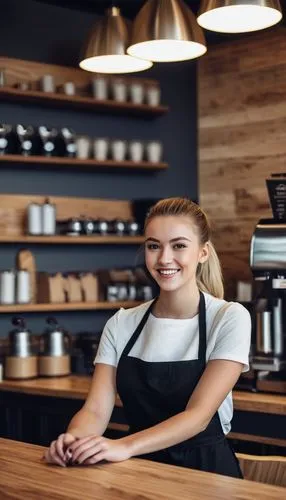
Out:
{"x": 216, "y": 382}
{"x": 95, "y": 414}
{"x": 92, "y": 418}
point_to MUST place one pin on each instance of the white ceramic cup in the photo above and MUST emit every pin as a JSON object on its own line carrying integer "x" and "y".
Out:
{"x": 154, "y": 151}
{"x": 82, "y": 147}
{"x": 100, "y": 88}
{"x": 118, "y": 150}
{"x": 153, "y": 95}
{"x": 48, "y": 83}
{"x": 119, "y": 90}
{"x": 100, "y": 148}
{"x": 136, "y": 93}
{"x": 69, "y": 88}
{"x": 136, "y": 150}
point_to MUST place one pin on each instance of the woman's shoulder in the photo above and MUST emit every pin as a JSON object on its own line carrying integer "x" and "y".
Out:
{"x": 130, "y": 317}
{"x": 223, "y": 309}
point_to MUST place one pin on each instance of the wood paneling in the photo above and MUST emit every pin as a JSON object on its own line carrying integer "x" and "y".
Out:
{"x": 13, "y": 210}
{"x": 242, "y": 122}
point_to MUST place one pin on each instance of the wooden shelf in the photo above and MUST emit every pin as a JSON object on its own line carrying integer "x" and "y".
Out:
{"x": 86, "y": 103}
{"x": 76, "y": 162}
{"x": 71, "y": 306}
{"x": 74, "y": 240}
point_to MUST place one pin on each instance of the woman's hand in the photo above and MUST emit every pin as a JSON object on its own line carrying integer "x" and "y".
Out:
{"x": 56, "y": 453}
{"x": 93, "y": 449}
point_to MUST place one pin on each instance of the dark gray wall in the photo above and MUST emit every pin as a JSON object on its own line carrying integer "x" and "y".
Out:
{"x": 44, "y": 33}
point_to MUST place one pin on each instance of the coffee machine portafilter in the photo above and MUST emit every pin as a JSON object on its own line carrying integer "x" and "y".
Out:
{"x": 268, "y": 265}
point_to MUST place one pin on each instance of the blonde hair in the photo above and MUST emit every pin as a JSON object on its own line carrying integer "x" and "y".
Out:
{"x": 208, "y": 275}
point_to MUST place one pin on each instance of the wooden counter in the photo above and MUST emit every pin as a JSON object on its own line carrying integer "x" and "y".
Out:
{"x": 76, "y": 387}
{"x": 24, "y": 475}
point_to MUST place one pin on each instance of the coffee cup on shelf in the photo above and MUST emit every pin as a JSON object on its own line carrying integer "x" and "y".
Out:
{"x": 153, "y": 94}
{"x": 99, "y": 85}
{"x": 119, "y": 89}
{"x": 100, "y": 148}
{"x": 47, "y": 83}
{"x": 68, "y": 88}
{"x": 118, "y": 149}
{"x": 154, "y": 151}
{"x": 136, "y": 150}
{"x": 82, "y": 147}
{"x": 136, "y": 91}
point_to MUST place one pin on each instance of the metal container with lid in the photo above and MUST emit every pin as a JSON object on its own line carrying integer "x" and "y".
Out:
{"x": 54, "y": 358}
{"x": 20, "y": 339}
{"x": 21, "y": 362}
{"x": 55, "y": 341}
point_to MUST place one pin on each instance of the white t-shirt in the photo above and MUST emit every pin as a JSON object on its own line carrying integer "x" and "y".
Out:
{"x": 163, "y": 339}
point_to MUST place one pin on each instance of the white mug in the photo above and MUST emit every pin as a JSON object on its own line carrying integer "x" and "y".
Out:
{"x": 100, "y": 88}
{"x": 119, "y": 90}
{"x": 100, "y": 148}
{"x": 118, "y": 150}
{"x": 153, "y": 95}
{"x": 83, "y": 147}
{"x": 154, "y": 151}
{"x": 69, "y": 88}
{"x": 137, "y": 93}
{"x": 136, "y": 151}
{"x": 48, "y": 83}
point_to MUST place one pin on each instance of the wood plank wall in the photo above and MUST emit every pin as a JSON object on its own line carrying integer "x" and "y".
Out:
{"x": 242, "y": 140}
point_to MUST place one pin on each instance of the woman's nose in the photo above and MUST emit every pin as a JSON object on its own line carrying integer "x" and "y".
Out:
{"x": 166, "y": 256}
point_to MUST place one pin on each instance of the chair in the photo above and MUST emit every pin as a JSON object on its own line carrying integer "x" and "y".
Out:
{"x": 264, "y": 469}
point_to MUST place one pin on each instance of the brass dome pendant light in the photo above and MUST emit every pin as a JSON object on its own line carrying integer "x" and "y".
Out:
{"x": 165, "y": 31}
{"x": 105, "y": 48}
{"x": 238, "y": 16}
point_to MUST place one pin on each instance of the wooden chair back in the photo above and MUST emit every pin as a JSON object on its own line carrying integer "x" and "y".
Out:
{"x": 263, "y": 469}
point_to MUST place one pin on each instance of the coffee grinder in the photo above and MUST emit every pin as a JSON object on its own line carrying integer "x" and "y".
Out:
{"x": 268, "y": 264}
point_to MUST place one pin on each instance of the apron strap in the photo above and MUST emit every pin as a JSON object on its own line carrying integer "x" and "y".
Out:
{"x": 138, "y": 330}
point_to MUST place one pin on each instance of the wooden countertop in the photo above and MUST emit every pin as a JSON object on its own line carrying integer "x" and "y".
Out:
{"x": 24, "y": 475}
{"x": 76, "y": 387}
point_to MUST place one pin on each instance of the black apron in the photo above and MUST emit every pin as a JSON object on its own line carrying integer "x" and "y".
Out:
{"x": 152, "y": 392}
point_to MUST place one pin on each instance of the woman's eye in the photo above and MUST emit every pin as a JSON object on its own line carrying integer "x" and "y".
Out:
{"x": 179, "y": 246}
{"x": 152, "y": 246}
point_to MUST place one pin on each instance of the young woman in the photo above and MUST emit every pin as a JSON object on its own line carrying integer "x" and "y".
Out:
{"x": 173, "y": 361}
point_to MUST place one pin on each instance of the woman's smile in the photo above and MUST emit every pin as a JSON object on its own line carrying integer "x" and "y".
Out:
{"x": 167, "y": 273}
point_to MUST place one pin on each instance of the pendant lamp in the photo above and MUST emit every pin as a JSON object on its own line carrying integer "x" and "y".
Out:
{"x": 166, "y": 30}
{"x": 239, "y": 16}
{"x": 105, "y": 48}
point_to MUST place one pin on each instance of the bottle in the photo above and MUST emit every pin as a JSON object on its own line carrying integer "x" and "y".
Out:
{"x": 34, "y": 219}
{"x": 48, "y": 218}
{"x": 7, "y": 286}
{"x": 23, "y": 295}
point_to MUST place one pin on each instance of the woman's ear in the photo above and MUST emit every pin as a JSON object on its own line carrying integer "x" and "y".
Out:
{"x": 204, "y": 253}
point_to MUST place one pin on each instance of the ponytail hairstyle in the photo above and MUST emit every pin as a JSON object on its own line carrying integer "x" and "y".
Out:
{"x": 208, "y": 274}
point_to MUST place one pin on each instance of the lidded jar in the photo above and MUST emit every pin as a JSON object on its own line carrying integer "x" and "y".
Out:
{"x": 20, "y": 339}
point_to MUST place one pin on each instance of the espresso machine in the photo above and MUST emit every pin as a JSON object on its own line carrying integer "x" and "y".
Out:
{"x": 268, "y": 265}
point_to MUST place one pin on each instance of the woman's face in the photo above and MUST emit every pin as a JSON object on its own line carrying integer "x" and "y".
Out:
{"x": 173, "y": 251}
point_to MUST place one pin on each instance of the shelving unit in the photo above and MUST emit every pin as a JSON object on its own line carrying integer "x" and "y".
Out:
{"x": 80, "y": 102}
{"x": 89, "y": 164}
{"x": 13, "y": 208}
{"x": 73, "y": 240}
{"x": 19, "y": 70}
{"x": 71, "y": 306}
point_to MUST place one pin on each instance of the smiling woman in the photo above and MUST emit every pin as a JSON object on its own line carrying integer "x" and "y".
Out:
{"x": 173, "y": 360}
